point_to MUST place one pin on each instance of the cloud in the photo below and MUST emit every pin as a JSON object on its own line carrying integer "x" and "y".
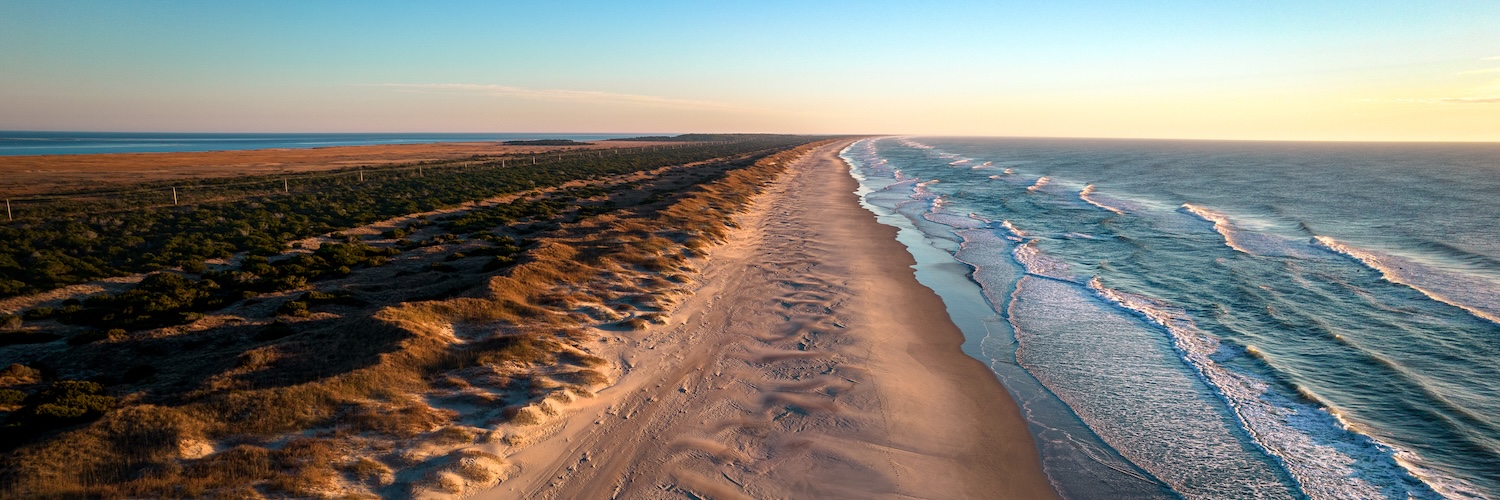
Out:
{"x": 1469, "y": 100}
{"x": 563, "y": 95}
{"x": 1479, "y": 71}
{"x": 1440, "y": 100}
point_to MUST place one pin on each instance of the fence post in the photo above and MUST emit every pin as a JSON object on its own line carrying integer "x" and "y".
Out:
{"x": 361, "y": 174}
{"x": 285, "y": 186}
{"x": 174, "y": 195}
{"x": 7, "y": 211}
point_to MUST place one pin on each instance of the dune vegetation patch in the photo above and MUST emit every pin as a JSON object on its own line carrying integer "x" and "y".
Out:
{"x": 367, "y": 361}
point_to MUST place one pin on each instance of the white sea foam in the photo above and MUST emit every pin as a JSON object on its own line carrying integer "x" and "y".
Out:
{"x": 1472, "y": 294}
{"x": 1015, "y": 234}
{"x": 957, "y": 222}
{"x": 1325, "y": 457}
{"x": 1221, "y": 225}
{"x": 1040, "y": 264}
{"x": 1042, "y": 181}
{"x": 912, "y": 144}
{"x": 1086, "y": 195}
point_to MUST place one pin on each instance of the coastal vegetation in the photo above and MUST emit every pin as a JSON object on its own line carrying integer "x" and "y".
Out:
{"x": 547, "y": 142}
{"x": 695, "y": 138}
{"x": 354, "y": 341}
{"x": 67, "y": 242}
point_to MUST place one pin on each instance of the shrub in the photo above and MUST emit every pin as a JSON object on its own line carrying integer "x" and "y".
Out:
{"x": 338, "y": 298}
{"x": 65, "y": 402}
{"x": 39, "y": 313}
{"x": 19, "y": 373}
{"x": 195, "y": 266}
{"x": 10, "y": 322}
{"x": 11, "y": 397}
{"x": 293, "y": 308}
{"x": 89, "y": 337}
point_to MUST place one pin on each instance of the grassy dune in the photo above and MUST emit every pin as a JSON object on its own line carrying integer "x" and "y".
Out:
{"x": 377, "y": 380}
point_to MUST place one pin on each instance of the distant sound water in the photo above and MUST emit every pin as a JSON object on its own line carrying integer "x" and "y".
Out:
{"x": 15, "y": 143}
{"x": 1225, "y": 319}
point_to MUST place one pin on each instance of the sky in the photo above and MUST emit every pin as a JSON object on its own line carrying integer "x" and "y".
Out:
{"x": 1369, "y": 70}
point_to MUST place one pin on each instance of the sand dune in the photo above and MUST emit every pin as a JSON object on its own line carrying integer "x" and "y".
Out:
{"x": 809, "y": 364}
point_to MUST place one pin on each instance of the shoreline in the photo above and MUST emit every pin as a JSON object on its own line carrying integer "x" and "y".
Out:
{"x": 790, "y": 372}
{"x": 1075, "y": 458}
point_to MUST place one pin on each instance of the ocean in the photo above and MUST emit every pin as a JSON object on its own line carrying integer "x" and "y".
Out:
{"x": 1205, "y": 319}
{"x": 14, "y": 143}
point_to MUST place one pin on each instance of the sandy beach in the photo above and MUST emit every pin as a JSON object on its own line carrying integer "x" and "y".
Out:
{"x": 809, "y": 363}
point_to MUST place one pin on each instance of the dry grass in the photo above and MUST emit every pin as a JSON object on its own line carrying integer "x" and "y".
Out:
{"x": 404, "y": 421}
{"x": 360, "y": 379}
{"x": 449, "y": 436}
{"x": 372, "y": 472}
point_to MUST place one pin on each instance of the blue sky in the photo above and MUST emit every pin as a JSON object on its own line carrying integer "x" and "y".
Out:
{"x": 1370, "y": 70}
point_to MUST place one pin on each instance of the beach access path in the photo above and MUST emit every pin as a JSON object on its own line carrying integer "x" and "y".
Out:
{"x": 809, "y": 363}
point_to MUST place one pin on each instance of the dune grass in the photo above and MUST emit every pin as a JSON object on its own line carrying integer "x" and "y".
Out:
{"x": 323, "y": 410}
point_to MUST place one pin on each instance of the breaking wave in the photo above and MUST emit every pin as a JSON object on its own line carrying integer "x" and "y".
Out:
{"x": 1470, "y": 294}
{"x": 1086, "y": 194}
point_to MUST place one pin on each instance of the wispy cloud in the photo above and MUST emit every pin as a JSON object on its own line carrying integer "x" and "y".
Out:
{"x": 1440, "y": 100}
{"x": 564, "y": 95}
{"x": 1469, "y": 100}
{"x": 1484, "y": 71}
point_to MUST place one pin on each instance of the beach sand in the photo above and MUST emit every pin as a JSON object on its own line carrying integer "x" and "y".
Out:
{"x": 809, "y": 363}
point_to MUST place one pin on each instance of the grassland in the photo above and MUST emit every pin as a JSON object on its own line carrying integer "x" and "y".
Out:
{"x": 346, "y": 339}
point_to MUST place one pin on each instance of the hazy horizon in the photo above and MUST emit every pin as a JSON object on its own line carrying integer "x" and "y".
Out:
{"x": 1333, "y": 71}
{"x": 674, "y": 133}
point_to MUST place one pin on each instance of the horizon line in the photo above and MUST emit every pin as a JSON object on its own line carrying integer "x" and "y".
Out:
{"x": 644, "y": 134}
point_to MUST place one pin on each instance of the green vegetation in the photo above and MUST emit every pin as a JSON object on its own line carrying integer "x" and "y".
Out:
{"x": 327, "y": 368}
{"x": 694, "y": 138}
{"x": 63, "y": 403}
{"x": 547, "y": 142}
{"x": 40, "y": 254}
{"x": 167, "y": 298}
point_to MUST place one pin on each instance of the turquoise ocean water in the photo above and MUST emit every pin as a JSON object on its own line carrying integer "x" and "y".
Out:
{"x": 1221, "y": 319}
